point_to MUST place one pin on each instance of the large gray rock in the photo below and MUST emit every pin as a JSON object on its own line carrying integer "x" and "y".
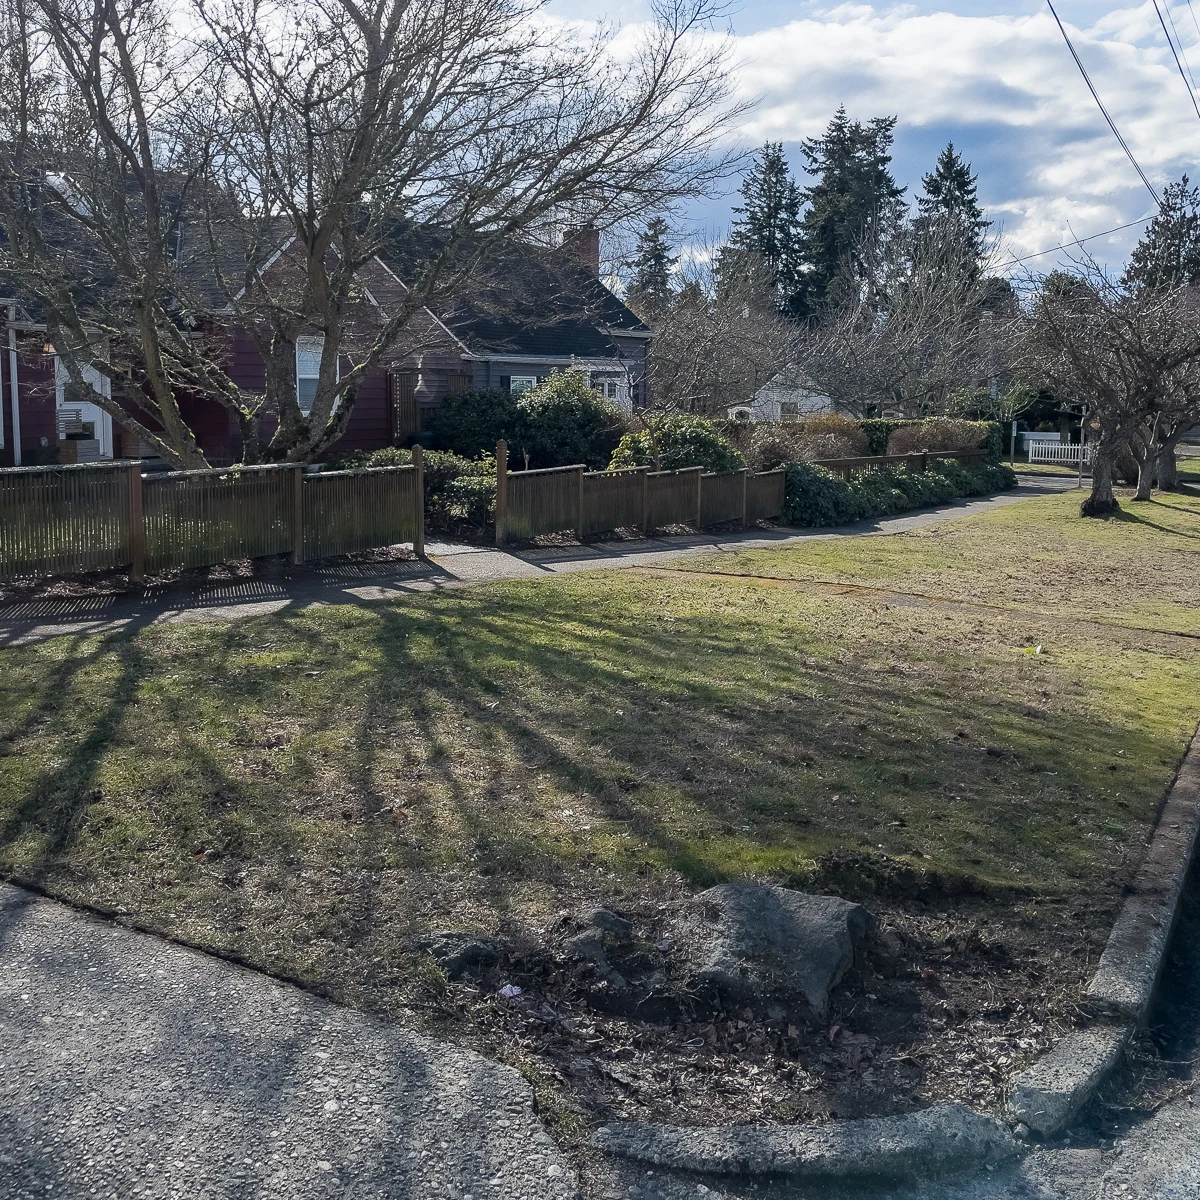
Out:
{"x": 747, "y": 940}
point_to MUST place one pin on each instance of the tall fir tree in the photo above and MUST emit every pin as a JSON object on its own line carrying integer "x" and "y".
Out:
{"x": 1168, "y": 254}
{"x": 950, "y": 193}
{"x": 650, "y": 292}
{"x": 768, "y": 222}
{"x": 852, "y": 185}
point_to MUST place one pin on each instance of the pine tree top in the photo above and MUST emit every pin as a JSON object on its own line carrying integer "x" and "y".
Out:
{"x": 1168, "y": 254}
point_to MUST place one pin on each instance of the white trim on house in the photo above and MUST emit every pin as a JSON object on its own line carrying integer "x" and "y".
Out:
{"x": 69, "y": 411}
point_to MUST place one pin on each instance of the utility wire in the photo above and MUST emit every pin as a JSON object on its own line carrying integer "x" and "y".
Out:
{"x": 1079, "y": 241}
{"x": 1179, "y": 42}
{"x": 1100, "y": 103}
{"x": 1193, "y": 12}
{"x": 1191, "y": 93}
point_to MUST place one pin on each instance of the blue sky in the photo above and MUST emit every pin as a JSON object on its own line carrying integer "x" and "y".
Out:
{"x": 997, "y": 80}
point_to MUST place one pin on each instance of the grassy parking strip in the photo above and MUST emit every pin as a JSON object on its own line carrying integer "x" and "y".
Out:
{"x": 1142, "y": 568}
{"x": 305, "y": 790}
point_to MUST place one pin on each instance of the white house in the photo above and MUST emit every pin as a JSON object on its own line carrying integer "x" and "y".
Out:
{"x": 782, "y": 398}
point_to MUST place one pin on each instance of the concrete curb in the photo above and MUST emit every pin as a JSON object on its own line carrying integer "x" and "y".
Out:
{"x": 1132, "y": 961}
{"x": 933, "y": 1141}
{"x": 1047, "y": 1095}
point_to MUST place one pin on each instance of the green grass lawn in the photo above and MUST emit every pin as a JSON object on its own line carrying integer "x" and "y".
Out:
{"x": 304, "y": 790}
{"x": 1142, "y": 568}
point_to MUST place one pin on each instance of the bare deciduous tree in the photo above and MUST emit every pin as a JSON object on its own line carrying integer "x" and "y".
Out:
{"x": 909, "y": 324}
{"x": 258, "y": 166}
{"x": 1127, "y": 359}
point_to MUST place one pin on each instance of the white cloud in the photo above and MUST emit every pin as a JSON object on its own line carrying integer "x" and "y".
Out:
{"x": 1005, "y": 89}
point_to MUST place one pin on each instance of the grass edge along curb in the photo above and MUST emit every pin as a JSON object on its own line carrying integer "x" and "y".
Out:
{"x": 1047, "y": 1095}
{"x": 933, "y": 1141}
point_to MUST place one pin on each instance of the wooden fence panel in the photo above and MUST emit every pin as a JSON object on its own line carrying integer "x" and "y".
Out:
{"x": 671, "y": 497}
{"x": 613, "y": 500}
{"x": 63, "y": 519}
{"x": 543, "y": 501}
{"x": 721, "y": 498}
{"x": 765, "y": 495}
{"x": 347, "y": 511}
{"x": 200, "y": 518}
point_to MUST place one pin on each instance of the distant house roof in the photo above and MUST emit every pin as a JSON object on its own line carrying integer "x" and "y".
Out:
{"x": 524, "y": 300}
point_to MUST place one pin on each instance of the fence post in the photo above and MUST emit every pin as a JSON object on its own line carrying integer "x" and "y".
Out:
{"x": 418, "y": 457}
{"x": 579, "y": 505}
{"x": 924, "y": 461}
{"x": 646, "y": 500}
{"x": 137, "y": 526}
{"x": 298, "y": 513}
{"x": 501, "y": 521}
{"x": 699, "y": 497}
{"x": 745, "y": 489}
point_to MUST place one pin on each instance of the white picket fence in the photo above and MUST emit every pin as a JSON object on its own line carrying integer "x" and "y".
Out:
{"x": 1059, "y": 452}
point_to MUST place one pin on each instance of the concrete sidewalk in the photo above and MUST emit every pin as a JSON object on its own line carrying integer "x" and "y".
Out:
{"x": 130, "y": 1067}
{"x": 449, "y": 565}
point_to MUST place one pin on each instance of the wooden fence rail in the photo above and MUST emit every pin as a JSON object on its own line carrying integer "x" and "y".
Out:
{"x": 529, "y": 503}
{"x": 67, "y": 519}
{"x": 847, "y": 468}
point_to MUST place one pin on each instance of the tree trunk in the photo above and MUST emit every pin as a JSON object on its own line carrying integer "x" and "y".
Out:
{"x": 1147, "y": 460}
{"x": 1101, "y": 502}
{"x": 1168, "y": 472}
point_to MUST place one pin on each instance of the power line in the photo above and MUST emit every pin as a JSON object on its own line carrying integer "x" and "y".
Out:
{"x": 1179, "y": 42}
{"x": 1079, "y": 241}
{"x": 1100, "y": 103}
{"x": 1191, "y": 93}
{"x": 1193, "y": 12}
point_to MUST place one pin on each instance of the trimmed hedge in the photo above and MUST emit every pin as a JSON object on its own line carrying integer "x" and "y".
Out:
{"x": 815, "y": 496}
{"x": 879, "y": 431}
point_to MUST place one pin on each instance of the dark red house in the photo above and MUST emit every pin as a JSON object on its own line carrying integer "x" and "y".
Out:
{"x": 534, "y": 313}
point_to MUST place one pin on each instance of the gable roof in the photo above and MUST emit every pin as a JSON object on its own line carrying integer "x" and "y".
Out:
{"x": 522, "y": 300}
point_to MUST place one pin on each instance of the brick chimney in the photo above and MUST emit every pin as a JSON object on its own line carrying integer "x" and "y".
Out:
{"x": 582, "y": 243}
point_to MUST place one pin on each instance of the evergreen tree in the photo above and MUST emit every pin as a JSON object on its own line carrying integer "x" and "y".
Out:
{"x": 852, "y": 186}
{"x": 950, "y": 193}
{"x": 768, "y": 222}
{"x": 1168, "y": 254}
{"x": 650, "y": 290}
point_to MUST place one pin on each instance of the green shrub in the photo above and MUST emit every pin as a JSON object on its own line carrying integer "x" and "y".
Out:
{"x": 564, "y": 421}
{"x": 675, "y": 441}
{"x": 876, "y": 494}
{"x": 815, "y": 496}
{"x": 878, "y": 430}
{"x": 464, "y": 504}
{"x": 993, "y": 444}
{"x": 470, "y": 424}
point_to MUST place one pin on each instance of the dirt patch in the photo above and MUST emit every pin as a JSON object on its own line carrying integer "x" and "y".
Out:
{"x": 942, "y": 1006}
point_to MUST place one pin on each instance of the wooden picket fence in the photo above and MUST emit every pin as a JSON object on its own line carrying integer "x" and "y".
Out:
{"x": 529, "y": 503}
{"x": 61, "y": 520}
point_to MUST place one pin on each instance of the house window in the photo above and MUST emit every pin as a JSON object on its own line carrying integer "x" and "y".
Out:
{"x": 789, "y": 410}
{"x": 308, "y": 370}
{"x": 521, "y": 383}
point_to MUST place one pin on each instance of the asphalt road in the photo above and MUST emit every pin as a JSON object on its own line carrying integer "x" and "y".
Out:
{"x": 130, "y": 1067}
